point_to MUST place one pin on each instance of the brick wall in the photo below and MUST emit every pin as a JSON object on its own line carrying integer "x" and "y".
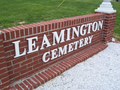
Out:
{"x": 4, "y": 77}
{"x": 109, "y": 27}
{"x": 26, "y": 65}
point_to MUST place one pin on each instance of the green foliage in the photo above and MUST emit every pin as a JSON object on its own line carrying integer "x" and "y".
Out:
{"x": 13, "y": 12}
{"x": 116, "y": 34}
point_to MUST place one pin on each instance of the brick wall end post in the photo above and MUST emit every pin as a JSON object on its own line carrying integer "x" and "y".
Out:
{"x": 108, "y": 27}
{"x": 109, "y": 20}
{"x": 4, "y": 77}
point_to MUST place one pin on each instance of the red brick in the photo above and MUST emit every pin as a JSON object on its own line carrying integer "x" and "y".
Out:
{"x": 70, "y": 62}
{"x": 38, "y": 29}
{"x": 6, "y": 79}
{"x": 34, "y": 30}
{"x": 2, "y": 65}
{"x": 32, "y": 63}
{"x": 61, "y": 64}
{"x": 22, "y": 32}
{"x": 12, "y": 34}
{"x": 65, "y": 23}
{"x": 1, "y": 49}
{"x": 10, "y": 72}
{"x": 30, "y": 36}
{"x": 10, "y": 88}
{"x": 17, "y": 33}
{"x": 1, "y": 36}
{"x": 20, "y": 68}
{"x": 12, "y": 80}
{"x": 51, "y": 71}
{"x": 2, "y": 54}
{"x": 37, "y": 65}
{"x": 62, "y": 24}
{"x": 44, "y": 66}
{"x": 3, "y": 75}
{"x": 53, "y": 26}
{"x": 28, "y": 84}
{"x": 30, "y": 31}
{"x": 46, "y": 27}
{"x": 21, "y": 40}
{"x": 49, "y": 26}
{"x": 33, "y": 71}
{"x": 7, "y": 35}
{"x": 58, "y": 25}
{"x": 5, "y": 32}
{"x": 7, "y": 53}
{"x": 32, "y": 83}
{"x": 43, "y": 51}
{"x": 43, "y": 77}
{"x": 4, "y": 84}
{"x": 32, "y": 55}
{"x": 26, "y": 62}
{"x": 26, "y": 31}
{"x": 18, "y": 87}
{"x": 36, "y": 81}
{"x": 58, "y": 69}
{"x": 40, "y": 79}
{"x": 14, "y": 75}
{"x": 40, "y": 35}
{"x": 64, "y": 69}
{"x": 20, "y": 77}
{"x": 19, "y": 60}
{"x": 50, "y": 74}
{"x": 2, "y": 60}
{"x": 3, "y": 70}
{"x": 55, "y": 70}
{"x": 13, "y": 67}
{"x": 37, "y": 57}
{"x": 46, "y": 75}
{"x": 23, "y": 44}
{"x": 23, "y": 86}
{"x": 26, "y": 70}
{"x": 9, "y": 48}
{"x": 34, "y": 58}
{"x": 42, "y": 28}
{"x": 73, "y": 60}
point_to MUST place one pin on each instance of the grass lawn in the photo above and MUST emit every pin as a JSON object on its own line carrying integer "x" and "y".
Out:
{"x": 16, "y": 12}
{"x": 116, "y": 33}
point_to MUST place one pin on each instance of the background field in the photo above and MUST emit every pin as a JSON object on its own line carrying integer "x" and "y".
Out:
{"x": 16, "y": 12}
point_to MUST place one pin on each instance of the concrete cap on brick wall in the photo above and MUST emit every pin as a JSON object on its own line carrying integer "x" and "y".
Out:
{"x": 106, "y": 7}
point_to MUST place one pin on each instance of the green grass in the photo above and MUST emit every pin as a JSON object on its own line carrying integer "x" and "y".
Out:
{"x": 116, "y": 33}
{"x": 12, "y": 12}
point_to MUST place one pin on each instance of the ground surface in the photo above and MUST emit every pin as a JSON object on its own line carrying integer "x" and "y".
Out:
{"x": 100, "y": 72}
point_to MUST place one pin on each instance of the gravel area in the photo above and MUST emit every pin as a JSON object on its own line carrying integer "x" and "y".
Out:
{"x": 100, "y": 72}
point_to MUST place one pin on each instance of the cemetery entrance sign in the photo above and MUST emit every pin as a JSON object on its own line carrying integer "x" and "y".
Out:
{"x": 80, "y": 31}
{"x": 49, "y": 48}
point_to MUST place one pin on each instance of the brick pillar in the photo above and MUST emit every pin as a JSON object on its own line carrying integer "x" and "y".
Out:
{"x": 108, "y": 27}
{"x": 4, "y": 78}
{"x": 109, "y": 21}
